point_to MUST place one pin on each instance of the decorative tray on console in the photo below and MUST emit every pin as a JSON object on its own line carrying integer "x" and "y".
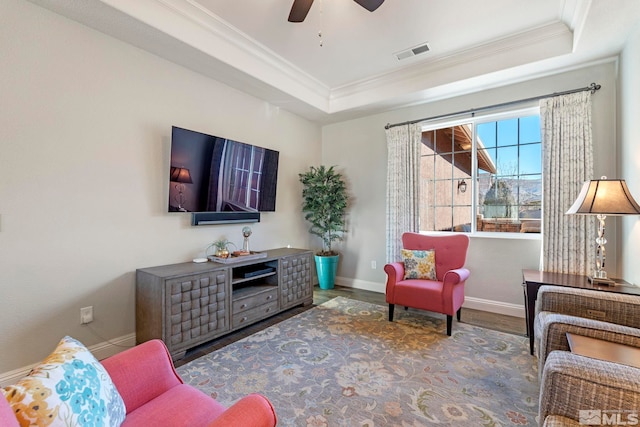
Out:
{"x": 238, "y": 258}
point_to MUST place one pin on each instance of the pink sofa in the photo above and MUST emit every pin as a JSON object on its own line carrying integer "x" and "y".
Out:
{"x": 155, "y": 395}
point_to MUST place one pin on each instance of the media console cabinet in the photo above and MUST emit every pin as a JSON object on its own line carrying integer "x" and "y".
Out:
{"x": 188, "y": 304}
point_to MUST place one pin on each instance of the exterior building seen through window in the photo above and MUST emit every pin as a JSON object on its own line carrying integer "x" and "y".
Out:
{"x": 482, "y": 175}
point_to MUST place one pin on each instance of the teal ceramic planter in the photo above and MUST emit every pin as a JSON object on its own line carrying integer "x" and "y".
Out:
{"x": 326, "y": 267}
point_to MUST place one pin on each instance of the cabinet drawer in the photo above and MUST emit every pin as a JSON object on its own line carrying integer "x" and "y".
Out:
{"x": 260, "y": 312}
{"x": 249, "y": 302}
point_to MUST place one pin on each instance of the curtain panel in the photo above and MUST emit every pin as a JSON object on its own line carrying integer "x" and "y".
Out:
{"x": 568, "y": 244}
{"x": 403, "y": 181}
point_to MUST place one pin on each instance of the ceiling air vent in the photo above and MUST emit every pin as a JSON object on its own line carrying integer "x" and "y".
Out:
{"x": 416, "y": 50}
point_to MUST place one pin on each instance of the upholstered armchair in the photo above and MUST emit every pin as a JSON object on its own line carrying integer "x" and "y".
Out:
{"x": 584, "y": 312}
{"x": 571, "y": 382}
{"x": 136, "y": 387}
{"x": 431, "y": 275}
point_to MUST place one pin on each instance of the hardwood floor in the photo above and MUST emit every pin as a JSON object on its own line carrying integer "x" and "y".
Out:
{"x": 498, "y": 322}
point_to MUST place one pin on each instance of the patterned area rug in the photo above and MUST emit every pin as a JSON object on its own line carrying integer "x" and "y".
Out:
{"x": 343, "y": 364}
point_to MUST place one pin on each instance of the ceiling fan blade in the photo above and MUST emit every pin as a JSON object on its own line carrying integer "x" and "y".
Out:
{"x": 370, "y": 5}
{"x": 299, "y": 10}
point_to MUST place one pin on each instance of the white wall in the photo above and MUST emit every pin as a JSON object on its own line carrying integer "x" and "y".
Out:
{"x": 629, "y": 124}
{"x": 358, "y": 147}
{"x": 85, "y": 124}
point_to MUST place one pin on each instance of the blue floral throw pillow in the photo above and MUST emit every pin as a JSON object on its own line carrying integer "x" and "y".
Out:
{"x": 69, "y": 388}
{"x": 419, "y": 264}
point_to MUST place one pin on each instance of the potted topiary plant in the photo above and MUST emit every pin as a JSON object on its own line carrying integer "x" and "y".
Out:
{"x": 324, "y": 203}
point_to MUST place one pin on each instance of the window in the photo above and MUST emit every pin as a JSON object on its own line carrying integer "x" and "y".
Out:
{"x": 246, "y": 163}
{"x": 483, "y": 174}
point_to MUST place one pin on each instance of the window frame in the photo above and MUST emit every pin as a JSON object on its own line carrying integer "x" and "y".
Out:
{"x": 474, "y": 120}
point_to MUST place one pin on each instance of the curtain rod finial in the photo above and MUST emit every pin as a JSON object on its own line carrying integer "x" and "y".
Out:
{"x": 594, "y": 87}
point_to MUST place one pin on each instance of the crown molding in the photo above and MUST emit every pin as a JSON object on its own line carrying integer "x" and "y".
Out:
{"x": 536, "y": 44}
{"x": 184, "y": 32}
{"x": 262, "y": 63}
{"x": 243, "y": 62}
{"x": 575, "y": 13}
{"x": 496, "y": 80}
{"x": 198, "y": 15}
{"x": 143, "y": 23}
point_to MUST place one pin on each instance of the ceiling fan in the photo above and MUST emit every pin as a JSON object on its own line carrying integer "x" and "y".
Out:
{"x": 300, "y": 8}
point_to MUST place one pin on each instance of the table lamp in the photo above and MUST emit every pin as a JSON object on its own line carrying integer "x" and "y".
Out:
{"x": 181, "y": 176}
{"x": 602, "y": 197}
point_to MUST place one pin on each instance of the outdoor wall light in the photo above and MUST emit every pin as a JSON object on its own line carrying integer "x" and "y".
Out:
{"x": 462, "y": 186}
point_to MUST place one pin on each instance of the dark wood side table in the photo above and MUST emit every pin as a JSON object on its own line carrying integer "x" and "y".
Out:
{"x": 533, "y": 279}
{"x": 604, "y": 350}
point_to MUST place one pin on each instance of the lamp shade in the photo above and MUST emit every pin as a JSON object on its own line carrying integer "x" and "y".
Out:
{"x": 605, "y": 197}
{"x": 181, "y": 175}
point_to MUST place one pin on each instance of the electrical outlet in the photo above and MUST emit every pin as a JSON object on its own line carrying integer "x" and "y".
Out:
{"x": 596, "y": 314}
{"x": 374, "y": 265}
{"x": 86, "y": 315}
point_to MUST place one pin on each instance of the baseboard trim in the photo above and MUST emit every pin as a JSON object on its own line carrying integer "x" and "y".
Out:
{"x": 360, "y": 284}
{"x": 498, "y": 307}
{"x": 109, "y": 348}
{"x": 100, "y": 351}
{"x": 490, "y": 306}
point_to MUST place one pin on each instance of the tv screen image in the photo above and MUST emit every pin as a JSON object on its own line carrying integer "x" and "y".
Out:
{"x": 214, "y": 174}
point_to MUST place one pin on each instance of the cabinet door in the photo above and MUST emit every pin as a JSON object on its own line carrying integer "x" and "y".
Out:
{"x": 295, "y": 280}
{"x": 197, "y": 307}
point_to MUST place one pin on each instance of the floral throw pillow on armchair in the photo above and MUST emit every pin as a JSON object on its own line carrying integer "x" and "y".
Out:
{"x": 419, "y": 264}
{"x": 69, "y": 388}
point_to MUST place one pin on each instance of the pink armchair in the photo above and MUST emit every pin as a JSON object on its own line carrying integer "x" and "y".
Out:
{"x": 154, "y": 395}
{"x": 444, "y": 295}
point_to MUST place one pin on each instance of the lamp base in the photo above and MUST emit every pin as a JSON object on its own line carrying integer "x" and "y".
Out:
{"x": 601, "y": 281}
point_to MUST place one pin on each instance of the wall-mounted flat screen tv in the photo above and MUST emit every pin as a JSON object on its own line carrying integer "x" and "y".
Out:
{"x": 213, "y": 174}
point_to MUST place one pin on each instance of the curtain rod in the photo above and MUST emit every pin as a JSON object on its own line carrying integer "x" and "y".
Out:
{"x": 593, "y": 87}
